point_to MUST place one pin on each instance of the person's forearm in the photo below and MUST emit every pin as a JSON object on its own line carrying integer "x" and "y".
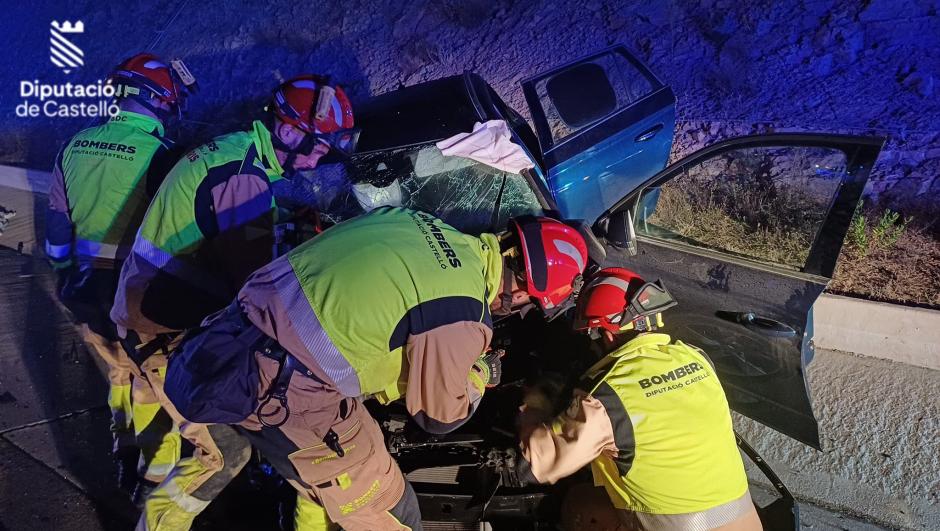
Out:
{"x": 552, "y": 451}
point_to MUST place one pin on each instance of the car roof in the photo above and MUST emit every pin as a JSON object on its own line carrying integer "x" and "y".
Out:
{"x": 418, "y": 114}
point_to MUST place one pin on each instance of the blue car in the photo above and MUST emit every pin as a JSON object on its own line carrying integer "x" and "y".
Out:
{"x": 745, "y": 233}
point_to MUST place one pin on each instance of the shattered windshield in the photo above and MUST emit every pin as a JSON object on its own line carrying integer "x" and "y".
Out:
{"x": 470, "y": 196}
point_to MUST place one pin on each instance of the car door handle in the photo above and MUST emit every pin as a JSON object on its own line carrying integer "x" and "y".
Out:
{"x": 648, "y": 134}
{"x": 762, "y": 325}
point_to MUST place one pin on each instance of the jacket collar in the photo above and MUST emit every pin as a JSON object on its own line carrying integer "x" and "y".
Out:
{"x": 639, "y": 342}
{"x": 266, "y": 150}
{"x": 141, "y": 121}
{"x": 493, "y": 261}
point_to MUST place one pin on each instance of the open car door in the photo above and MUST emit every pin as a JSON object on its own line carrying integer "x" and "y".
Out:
{"x": 604, "y": 125}
{"x": 745, "y": 234}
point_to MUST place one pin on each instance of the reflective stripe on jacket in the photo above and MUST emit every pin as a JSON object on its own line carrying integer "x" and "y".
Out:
{"x": 655, "y": 427}
{"x": 101, "y": 185}
{"x": 391, "y": 303}
{"x": 209, "y": 226}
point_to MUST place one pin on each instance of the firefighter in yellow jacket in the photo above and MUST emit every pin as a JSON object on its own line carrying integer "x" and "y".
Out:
{"x": 651, "y": 418}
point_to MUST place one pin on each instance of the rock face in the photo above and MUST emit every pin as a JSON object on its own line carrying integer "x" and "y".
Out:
{"x": 823, "y": 65}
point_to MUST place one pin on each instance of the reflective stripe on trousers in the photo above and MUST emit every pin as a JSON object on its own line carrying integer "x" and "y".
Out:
{"x": 157, "y": 435}
{"x": 136, "y": 416}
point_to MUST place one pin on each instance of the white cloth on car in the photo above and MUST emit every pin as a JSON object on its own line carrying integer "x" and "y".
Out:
{"x": 490, "y": 143}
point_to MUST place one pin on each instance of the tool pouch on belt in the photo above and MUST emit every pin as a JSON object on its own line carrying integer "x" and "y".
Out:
{"x": 365, "y": 476}
{"x": 212, "y": 377}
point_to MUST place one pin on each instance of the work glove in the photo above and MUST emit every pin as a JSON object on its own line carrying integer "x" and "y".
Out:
{"x": 491, "y": 365}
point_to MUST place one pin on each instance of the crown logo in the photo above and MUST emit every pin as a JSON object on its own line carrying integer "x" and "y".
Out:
{"x": 68, "y": 27}
{"x": 62, "y": 52}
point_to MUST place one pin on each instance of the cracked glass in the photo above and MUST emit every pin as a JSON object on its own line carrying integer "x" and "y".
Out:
{"x": 468, "y": 195}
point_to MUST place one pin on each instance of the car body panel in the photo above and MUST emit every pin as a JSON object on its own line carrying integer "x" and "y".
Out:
{"x": 591, "y": 166}
{"x": 419, "y": 114}
{"x": 761, "y": 363}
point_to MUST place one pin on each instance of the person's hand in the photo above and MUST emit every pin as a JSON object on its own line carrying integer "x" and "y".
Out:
{"x": 535, "y": 398}
{"x": 538, "y": 399}
{"x": 491, "y": 364}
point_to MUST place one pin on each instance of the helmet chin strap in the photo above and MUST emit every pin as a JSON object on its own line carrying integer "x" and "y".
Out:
{"x": 505, "y": 296}
{"x": 162, "y": 114}
{"x": 292, "y": 153}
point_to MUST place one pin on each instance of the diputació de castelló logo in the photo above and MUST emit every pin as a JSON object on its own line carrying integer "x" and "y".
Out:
{"x": 63, "y": 52}
{"x": 66, "y": 100}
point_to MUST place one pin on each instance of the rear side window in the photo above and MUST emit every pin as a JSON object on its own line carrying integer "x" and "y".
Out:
{"x": 587, "y": 92}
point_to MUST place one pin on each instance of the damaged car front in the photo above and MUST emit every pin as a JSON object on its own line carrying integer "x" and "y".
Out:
{"x": 745, "y": 281}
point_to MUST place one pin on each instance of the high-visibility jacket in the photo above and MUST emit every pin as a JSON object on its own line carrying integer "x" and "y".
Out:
{"x": 209, "y": 226}
{"x": 101, "y": 184}
{"x": 653, "y": 421}
{"x": 391, "y": 303}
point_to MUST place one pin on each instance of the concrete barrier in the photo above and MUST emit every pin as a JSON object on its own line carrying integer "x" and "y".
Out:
{"x": 23, "y": 191}
{"x": 888, "y": 331}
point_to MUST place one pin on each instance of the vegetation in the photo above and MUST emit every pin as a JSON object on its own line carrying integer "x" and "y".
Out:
{"x": 703, "y": 219}
{"x": 888, "y": 258}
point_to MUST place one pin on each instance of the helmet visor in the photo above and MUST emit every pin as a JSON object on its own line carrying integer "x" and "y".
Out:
{"x": 652, "y": 298}
{"x": 343, "y": 142}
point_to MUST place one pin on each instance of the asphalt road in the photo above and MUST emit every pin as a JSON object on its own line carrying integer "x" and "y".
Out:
{"x": 55, "y": 471}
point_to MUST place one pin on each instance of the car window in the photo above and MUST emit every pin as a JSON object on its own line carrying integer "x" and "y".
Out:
{"x": 765, "y": 203}
{"x": 462, "y": 192}
{"x": 627, "y": 84}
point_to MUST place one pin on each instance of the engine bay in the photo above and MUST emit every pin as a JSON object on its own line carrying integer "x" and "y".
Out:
{"x": 469, "y": 475}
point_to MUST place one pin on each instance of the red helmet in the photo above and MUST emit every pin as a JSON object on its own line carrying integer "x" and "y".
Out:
{"x": 617, "y": 299}
{"x": 145, "y": 76}
{"x": 311, "y": 104}
{"x": 554, "y": 256}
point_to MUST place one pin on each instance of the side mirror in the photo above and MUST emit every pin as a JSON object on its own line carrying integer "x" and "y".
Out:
{"x": 620, "y": 231}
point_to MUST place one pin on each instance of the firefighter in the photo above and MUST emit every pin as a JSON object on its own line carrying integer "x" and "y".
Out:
{"x": 210, "y": 225}
{"x": 392, "y": 304}
{"x": 651, "y": 418}
{"x": 103, "y": 180}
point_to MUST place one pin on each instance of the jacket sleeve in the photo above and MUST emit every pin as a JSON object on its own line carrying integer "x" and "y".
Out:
{"x": 552, "y": 451}
{"x": 236, "y": 217}
{"x": 161, "y": 163}
{"x": 163, "y": 286}
{"x": 60, "y": 231}
{"x": 444, "y": 385}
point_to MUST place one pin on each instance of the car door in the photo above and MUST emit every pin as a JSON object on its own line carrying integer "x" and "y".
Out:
{"x": 745, "y": 234}
{"x": 604, "y": 124}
